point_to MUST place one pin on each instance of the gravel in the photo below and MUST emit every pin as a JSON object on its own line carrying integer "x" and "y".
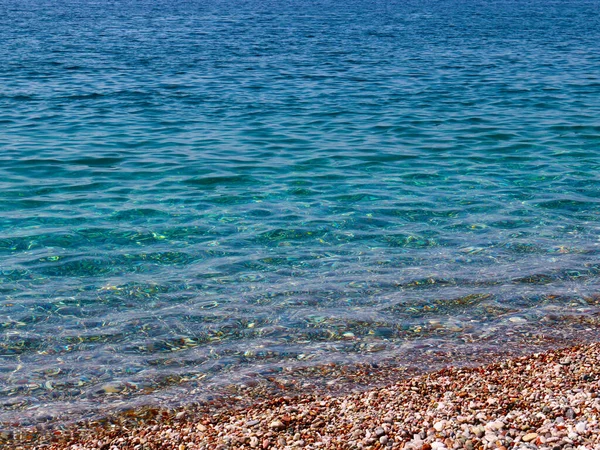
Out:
{"x": 545, "y": 401}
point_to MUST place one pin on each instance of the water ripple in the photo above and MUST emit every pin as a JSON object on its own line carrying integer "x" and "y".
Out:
{"x": 192, "y": 193}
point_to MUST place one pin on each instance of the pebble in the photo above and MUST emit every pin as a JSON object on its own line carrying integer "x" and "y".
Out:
{"x": 111, "y": 388}
{"x": 529, "y": 437}
{"x": 490, "y": 437}
{"x": 277, "y": 425}
{"x": 517, "y": 319}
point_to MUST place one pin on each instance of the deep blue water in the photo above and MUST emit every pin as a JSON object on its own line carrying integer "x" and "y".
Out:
{"x": 194, "y": 191}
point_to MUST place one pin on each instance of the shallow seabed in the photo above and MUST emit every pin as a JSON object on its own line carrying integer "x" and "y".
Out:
{"x": 205, "y": 193}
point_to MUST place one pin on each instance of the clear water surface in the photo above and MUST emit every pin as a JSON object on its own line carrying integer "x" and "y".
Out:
{"x": 194, "y": 191}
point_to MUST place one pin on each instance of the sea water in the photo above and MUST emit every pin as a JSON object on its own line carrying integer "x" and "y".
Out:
{"x": 194, "y": 191}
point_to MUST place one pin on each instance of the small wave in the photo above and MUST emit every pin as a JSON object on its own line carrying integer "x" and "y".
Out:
{"x": 224, "y": 180}
{"x": 96, "y": 162}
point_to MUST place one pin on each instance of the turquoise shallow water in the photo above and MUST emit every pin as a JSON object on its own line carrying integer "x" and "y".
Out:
{"x": 198, "y": 192}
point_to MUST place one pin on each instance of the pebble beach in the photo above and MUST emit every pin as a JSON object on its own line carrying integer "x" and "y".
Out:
{"x": 541, "y": 401}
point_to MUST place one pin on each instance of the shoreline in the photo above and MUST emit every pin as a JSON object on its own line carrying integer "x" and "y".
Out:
{"x": 545, "y": 400}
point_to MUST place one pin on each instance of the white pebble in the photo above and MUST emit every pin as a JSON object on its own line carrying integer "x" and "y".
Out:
{"x": 491, "y": 437}
{"x": 517, "y": 319}
{"x": 439, "y": 426}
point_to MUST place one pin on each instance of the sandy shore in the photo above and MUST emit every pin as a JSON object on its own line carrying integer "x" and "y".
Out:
{"x": 546, "y": 401}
